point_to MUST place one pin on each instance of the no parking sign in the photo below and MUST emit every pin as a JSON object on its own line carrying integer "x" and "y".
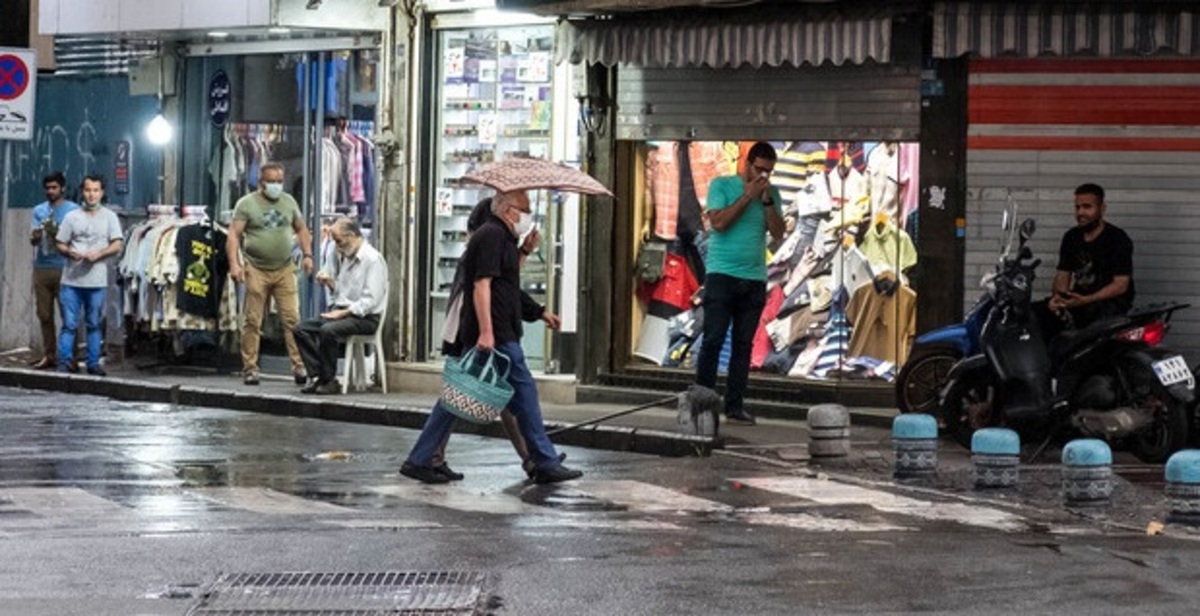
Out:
{"x": 18, "y": 85}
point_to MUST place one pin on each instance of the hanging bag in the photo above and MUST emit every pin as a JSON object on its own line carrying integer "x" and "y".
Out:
{"x": 473, "y": 391}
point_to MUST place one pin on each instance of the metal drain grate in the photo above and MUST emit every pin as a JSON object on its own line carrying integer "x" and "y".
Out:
{"x": 392, "y": 593}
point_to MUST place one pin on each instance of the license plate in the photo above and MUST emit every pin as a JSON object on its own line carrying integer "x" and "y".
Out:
{"x": 1173, "y": 370}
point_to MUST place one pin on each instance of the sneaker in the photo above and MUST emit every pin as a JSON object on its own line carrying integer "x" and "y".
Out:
{"x": 300, "y": 377}
{"x": 741, "y": 417}
{"x": 424, "y": 474}
{"x": 529, "y": 468}
{"x": 445, "y": 471}
{"x": 251, "y": 378}
{"x": 96, "y": 371}
{"x": 311, "y": 387}
{"x": 555, "y": 475}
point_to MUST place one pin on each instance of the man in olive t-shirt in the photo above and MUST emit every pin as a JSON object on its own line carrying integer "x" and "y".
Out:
{"x": 266, "y": 225}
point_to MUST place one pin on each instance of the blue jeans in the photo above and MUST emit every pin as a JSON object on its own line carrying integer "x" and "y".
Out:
{"x": 740, "y": 302}
{"x": 91, "y": 303}
{"x": 524, "y": 406}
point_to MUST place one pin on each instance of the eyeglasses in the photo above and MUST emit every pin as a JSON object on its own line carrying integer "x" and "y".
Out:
{"x": 761, "y": 169}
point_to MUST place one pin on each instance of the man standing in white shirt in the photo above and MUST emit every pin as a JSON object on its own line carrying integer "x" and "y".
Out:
{"x": 88, "y": 236}
{"x": 359, "y": 298}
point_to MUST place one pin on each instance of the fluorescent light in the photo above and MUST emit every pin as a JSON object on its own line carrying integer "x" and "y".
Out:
{"x": 278, "y": 30}
{"x": 159, "y": 131}
{"x": 217, "y": 34}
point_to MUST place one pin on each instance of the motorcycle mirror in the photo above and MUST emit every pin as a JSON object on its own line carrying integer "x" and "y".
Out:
{"x": 1028, "y": 226}
{"x": 1004, "y": 221}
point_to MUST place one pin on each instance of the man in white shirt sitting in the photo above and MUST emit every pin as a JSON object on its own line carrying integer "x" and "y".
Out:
{"x": 359, "y": 287}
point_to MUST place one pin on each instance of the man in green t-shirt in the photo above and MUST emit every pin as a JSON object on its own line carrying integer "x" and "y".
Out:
{"x": 266, "y": 225}
{"x": 741, "y": 209}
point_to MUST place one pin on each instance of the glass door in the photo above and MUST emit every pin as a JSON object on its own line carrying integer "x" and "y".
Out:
{"x": 495, "y": 100}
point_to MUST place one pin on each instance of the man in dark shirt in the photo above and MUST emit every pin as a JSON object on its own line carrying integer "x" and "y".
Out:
{"x": 1095, "y": 264}
{"x": 491, "y": 320}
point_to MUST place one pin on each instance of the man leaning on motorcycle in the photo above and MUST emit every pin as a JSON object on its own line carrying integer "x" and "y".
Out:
{"x": 1094, "y": 276}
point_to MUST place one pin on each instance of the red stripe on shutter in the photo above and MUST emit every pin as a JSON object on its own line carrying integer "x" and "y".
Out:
{"x": 1149, "y": 105}
{"x": 1083, "y": 144}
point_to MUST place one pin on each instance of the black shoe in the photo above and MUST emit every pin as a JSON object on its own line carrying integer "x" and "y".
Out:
{"x": 555, "y": 475}
{"x": 740, "y": 416}
{"x": 445, "y": 471}
{"x": 424, "y": 474}
{"x": 44, "y": 363}
{"x": 329, "y": 388}
{"x": 251, "y": 378}
{"x": 529, "y": 468}
{"x": 96, "y": 371}
{"x": 311, "y": 387}
{"x": 300, "y": 377}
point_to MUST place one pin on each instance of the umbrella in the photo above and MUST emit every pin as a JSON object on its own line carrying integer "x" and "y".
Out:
{"x": 533, "y": 173}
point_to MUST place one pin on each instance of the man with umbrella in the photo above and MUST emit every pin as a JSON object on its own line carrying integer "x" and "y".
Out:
{"x": 491, "y": 320}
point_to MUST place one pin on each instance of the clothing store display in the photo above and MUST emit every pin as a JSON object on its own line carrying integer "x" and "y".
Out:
{"x": 834, "y": 345}
{"x": 884, "y": 324}
{"x": 887, "y": 246}
{"x": 910, "y": 174}
{"x": 849, "y": 195}
{"x": 850, "y": 268}
{"x": 203, "y": 266}
{"x": 762, "y": 341}
{"x": 883, "y": 173}
{"x": 673, "y": 291}
{"x": 662, "y": 183}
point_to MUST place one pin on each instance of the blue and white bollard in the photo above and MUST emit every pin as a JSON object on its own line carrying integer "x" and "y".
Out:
{"x": 1183, "y": 487}
{"x": 828, "y": 431}
{"x": 914, "y": 441}
{"x": 995, "y": 458}
{"x": 1087, "y": 473}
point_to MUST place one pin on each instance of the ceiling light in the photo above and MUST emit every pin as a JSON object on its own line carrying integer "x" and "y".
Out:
{"x": 278, "y": 30}
{"x": 217, "y": 34}
{"x": 159, "y": 131}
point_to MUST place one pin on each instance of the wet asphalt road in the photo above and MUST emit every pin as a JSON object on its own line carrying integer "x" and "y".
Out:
{"x": 132, "y": 508}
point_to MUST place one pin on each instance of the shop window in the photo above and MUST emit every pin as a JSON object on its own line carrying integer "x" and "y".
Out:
{"x": 839, "y": 303}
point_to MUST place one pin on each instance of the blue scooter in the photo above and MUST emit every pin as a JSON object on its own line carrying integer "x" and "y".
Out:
{"x": 920, "y": 381}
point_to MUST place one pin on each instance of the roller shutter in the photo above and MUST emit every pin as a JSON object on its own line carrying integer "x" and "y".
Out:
{"x": 1041, "y": 127}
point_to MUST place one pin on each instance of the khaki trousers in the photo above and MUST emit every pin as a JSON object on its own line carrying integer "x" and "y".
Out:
{"x": 46, "y": 285}
{"x": 281, "y": 285}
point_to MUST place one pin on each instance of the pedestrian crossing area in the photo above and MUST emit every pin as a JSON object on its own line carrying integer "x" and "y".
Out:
{"x": 801, "y": 503}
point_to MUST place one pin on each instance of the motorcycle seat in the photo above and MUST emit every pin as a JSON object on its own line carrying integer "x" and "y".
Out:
{"x": 1070, "y": 340}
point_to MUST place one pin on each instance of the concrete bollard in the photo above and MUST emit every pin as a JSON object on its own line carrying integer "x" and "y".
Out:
{"x": 1087, "y": 473}
{"x": 828, "y": 431}
{"x": 995, "y": 458}
{"x": 914, "y": 441}
{"x": 1183, "y": 487}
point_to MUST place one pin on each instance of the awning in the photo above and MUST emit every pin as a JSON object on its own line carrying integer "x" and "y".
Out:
{"x": 727, "y": 39}
{"x": 1089, "y": 29}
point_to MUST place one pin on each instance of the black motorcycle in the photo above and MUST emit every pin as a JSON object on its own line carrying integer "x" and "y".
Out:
{"x": 1109, "y": 380}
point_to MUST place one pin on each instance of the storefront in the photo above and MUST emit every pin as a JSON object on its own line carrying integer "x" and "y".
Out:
{"x": 839, "y": 96}
{"x": 240, "y": 84}
{"x": 1066, "y": 94}
{"x": 492, "y": 91}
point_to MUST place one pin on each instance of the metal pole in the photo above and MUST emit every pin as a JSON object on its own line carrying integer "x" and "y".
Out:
{"x": 306, "y": 198}
{"x": 3, "y": 219}
{"x": 318, "y": 145}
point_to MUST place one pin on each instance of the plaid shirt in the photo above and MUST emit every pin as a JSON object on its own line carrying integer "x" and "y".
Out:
{"x": 662, "y": 180}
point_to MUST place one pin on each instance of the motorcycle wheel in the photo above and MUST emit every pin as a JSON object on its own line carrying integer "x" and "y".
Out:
{"x": 970, "y": 404}
{"x": 919, "y": 383}
{"x": 1170, "y": 431}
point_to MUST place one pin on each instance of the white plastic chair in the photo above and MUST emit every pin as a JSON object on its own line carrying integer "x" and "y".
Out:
{"x": 355, "y": 369}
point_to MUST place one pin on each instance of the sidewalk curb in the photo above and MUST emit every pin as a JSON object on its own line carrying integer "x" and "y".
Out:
{"x": 615, "y": 438}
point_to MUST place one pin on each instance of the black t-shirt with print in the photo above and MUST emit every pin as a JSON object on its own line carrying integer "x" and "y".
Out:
{"x": 1093, "y": 265}
{"x": 203, "y": 266}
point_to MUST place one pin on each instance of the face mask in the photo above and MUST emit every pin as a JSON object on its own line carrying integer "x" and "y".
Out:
{"x": 90, "y": 206}
{"x": 273, "y": 190}
{"x": 524, "y": 224}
